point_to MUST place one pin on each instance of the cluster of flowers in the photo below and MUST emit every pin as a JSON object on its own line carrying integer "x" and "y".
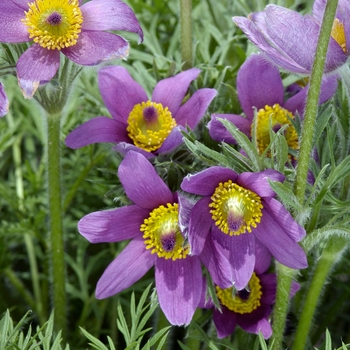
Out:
{"x": 227, "y": 222}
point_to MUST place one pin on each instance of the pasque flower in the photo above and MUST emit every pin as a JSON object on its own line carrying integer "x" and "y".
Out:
{"x": 152, "y": 224}
{"x": 4, "y": 102}
{"x": 149, "y": 126}
{"x": 251, "y": 307}
{"x": 259, "y": 85}
{"x": 234, "y": 213}
{"x": 79, "y": 31}
{"x": 289, "y": 39}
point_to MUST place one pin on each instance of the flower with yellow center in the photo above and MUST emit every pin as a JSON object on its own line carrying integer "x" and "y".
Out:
{"x": 149, "y": 124}
{"x": 244, "y": 301}
{"x": 235, "y": 209}
{"x": 338, "y": 34}
{"x": 162, "y": 234}
{"x": 275, "y": 117}
{"x": 54, "y": 24}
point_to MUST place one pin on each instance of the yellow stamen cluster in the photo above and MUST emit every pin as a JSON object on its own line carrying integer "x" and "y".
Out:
{"x": 162, "y": 234}
{"x": 54, "y": 24}
{"x": 338, "y": 34}
{"x": 274, "y": 116}
{"x": 235, "y": 206}
{"x": 233, "y": 301}
{"x": 150, "y": 135}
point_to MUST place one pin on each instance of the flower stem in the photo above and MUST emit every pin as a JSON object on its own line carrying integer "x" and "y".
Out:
{"x": 329, "y": 255}
{"x": 56, "y": 226}
{"x": 186, "y": 33}
{"x": 284, "y": 275}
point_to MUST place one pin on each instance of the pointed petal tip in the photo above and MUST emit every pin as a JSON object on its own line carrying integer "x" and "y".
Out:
{"x": 28, "y": 87}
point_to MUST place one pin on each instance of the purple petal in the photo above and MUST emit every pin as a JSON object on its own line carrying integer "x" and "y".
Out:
{"x": 186, "y": 205}
{"x": 123, "y": 148}
{"x": 141, "y": 182}
{"x": 268, "y": 284}
{"x": 113, "y": 225}
{"x": 4, "y": 102}
{"x": 100, "y": 129}
{"x": 294, "y": 288}
{"x": 280, "y": 215}
{"x": 258, "y": 84}
{"x": 205, "y": 182}
{"x": 171, "y": 91}
{"x": 12, "y": 29}
{"x": 219, "y": 133}
{"x": 120, "y": 92}
{"x": 240, "y": 251}
{"x": 258, "y": 182}
{"x": 262, "y": 258}
{"x": 110, "y": 15}
{"x": 174, "y": 140}
{"x": 281, "y": 246}
{"x": 200, "y": 224}
{"x": 218, "y": 266}
{"x": 255, "y": 326}
{"x": 127, "y": 268}
{"x": 257, "y": 37}
{"x": 94, "y": 47}
{"x": 225, "y": 322}
{"x": 36, "y": 65}
{"x": 179, "y": 288}
{"x": 193, "y": 110}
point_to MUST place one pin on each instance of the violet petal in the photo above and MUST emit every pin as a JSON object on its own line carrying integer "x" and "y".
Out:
{"x": 4, "y": 102}
{"x": 113, "y": 225}
{"x": 225, "y": 322}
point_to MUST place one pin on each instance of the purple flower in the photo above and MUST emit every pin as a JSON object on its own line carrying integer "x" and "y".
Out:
{"x": 79, "y": 31}
{"x": 4, "y": 102}
{"x": 251, "y": 307}
{"x": 149, "y": 126}
{"x": 289, "y": 39}
{"x": 259, "y": 85}
{"x": 234, "y": 213}
{"x": 152, "y": 224}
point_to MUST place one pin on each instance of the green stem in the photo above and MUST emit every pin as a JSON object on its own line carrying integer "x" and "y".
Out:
{"x": 186, "y": 33}
{"x": 329, "y": 255}
{"x": 56, "y": 226}
{"x": 284, "y": 277}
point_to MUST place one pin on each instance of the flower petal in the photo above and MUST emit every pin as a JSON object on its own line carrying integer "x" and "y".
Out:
{"x": 193, "y": 110}
{"x": 174, "y": 139}
{"x": 127, "y": 268}
{"x": 281, "y": 246}
{"x": 225, "y": 322}
{"x": 255, "y": 326}
{"x": 4, "y": 102}
{"x": 240, "y": 251}
{"x": 186, "y": 205}
{"x": 205, "y": 182}
{"x": 12, "y": 29}
{"x": 179, "y": 288}
{"x": 258, "y": 84}
{"x": 113, "y": 225}
{"x": 219, "y": 133}
{"x": 100, "y": 129}
{"x": 110, "y": 15}
{"x": 268, "y": 283}
{"x": 36, "y": 65}
{"x": 120, "y": 92}
{"x": 258, "y": 182}
{"x": 218, "y": 266}
{"x": 123, "y": 148}
{"x": 141, "y": 182}
{"x": 199, "y": 226}
{"x": 94, "y": 47}
{"x": 262, "y": 258}
{"x": 171, "y": 91}
{"x": 281, "y": 215}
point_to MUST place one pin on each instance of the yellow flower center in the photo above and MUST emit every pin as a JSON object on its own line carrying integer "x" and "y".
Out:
{"x": 235, "y": 209}
{"x": 244, "y": 301}
{"x": 276, "y": 117}
{"x": 54, "y": 24}
{"x": 149, "y": 124}
{"x": 162, "y": 234}
{"x": 338, "y": 34}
